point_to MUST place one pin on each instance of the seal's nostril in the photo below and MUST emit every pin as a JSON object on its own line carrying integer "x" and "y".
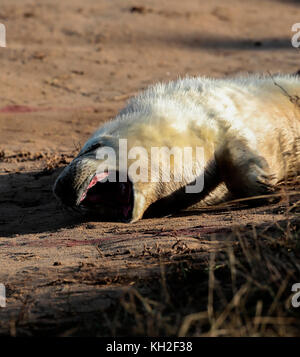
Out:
{"x": 63, "y": 190}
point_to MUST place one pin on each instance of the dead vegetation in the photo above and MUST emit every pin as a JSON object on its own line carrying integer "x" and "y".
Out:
{"x": 244, "y": 290}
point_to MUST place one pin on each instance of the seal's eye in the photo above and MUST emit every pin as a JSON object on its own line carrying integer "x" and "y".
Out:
{"x": 91, "y": 148}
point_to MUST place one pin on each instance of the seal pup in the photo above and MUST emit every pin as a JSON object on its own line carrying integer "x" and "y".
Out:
{"x": 248, "y": 128}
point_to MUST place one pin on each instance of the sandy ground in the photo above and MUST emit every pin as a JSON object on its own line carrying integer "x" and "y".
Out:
{"x": 70, "y": 66}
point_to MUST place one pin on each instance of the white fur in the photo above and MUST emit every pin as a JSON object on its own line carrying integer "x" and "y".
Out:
{"x": 249, "y": 128}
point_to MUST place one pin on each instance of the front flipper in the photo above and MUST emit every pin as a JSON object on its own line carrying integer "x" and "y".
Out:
{"x": 244, "y": 171}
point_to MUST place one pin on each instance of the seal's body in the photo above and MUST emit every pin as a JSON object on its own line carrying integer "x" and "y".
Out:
{"x": 248, "y": 127}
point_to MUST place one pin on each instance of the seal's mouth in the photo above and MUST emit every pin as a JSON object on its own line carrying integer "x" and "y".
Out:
{"x": 113, "y": 196}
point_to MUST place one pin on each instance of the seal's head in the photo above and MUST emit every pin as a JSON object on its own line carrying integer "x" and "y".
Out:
{"x": 156, "y": 131}
{"x": 94, "y": 182}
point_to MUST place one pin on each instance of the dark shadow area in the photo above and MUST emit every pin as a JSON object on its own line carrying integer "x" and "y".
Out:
{"x": 28, "y": 205}
{"x": 226, "y": 43}
{"x": 210, "y": 41}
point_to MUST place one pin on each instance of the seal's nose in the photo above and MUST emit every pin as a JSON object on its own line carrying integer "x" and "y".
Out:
{"x": 64, "y": 191}
{"x": 73, "y": 180}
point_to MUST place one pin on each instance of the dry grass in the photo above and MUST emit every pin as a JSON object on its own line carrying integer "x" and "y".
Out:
{"x": 244, "y": 290}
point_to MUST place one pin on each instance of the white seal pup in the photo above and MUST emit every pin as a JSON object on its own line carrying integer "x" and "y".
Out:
{"x": 248, "y": 129}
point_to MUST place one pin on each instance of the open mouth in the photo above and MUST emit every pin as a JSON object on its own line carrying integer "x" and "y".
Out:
{"x": 113, "y": 196}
